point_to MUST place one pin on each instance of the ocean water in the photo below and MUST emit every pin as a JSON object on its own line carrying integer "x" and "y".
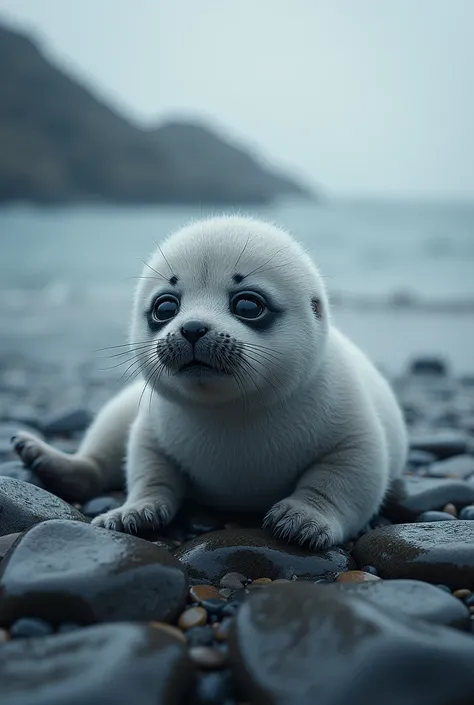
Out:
{"x": 66, "y": 275}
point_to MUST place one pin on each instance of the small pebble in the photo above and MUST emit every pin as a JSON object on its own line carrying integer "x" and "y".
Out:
{"x": 100, "y": 505}
{"x": 200, "y": 636}
{"x": 467, "y": 513}
{"x": 197, "y": 593}
{"x": 370, "y": 569}
{"x": 169, "y": 629}
{"x": 434, "y": 516}
{"x": 215, "y": 688}
{"x": 214, "y": 606}
{"x": 4, "y": 636}
{"x": 221, "y": 630}
{"x": 462, "y": 594}
{"x": 356, "y": 576}
{"x": 451, "y": 509}
{"x": 207, "y": 658}
{"x": 279, "y": 581}
{"x": 262, "y": 581}
{"x": 67, "y": 627}
{"x": 225, "y": 593}
{"x": 194, "y": 617}
{"x": 234, "y": 581}
{"x": 28, "y": 626}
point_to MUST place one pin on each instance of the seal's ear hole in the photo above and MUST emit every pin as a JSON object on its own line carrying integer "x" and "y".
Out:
{"x": 317, "y": 309}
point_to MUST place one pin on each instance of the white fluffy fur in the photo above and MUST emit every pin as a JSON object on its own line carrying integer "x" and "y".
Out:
{"x": 311, "y": 434}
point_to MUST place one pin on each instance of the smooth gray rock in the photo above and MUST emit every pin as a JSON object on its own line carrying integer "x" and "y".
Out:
{"x": 22, "y": 505}
{"x": 67, "y": 422}
{"x": 256, "y": 554}
{"x": 440, "y": 552}
{"x": 422, "y": 494}
{"x": 109, "y": 664}
{"x": 67, "y": 571}
{"x": 302, "y": 644}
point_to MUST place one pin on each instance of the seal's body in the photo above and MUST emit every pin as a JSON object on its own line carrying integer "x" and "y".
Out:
{"x": 250, "y": 398}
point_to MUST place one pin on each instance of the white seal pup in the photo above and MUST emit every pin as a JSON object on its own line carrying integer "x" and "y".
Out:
{"x": 257, "y": 402}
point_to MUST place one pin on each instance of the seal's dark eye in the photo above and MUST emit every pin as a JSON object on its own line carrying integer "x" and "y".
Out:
{"x": 247, "y": 305}
{"x": 165, "y": 307}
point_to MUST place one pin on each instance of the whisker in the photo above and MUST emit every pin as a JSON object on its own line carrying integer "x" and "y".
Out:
{"x": 154, "y": 270}
{"x": 270, "y": 259}
{"x": 124, "y": 345}
{"x": 242, "y": 252}
{"x": 164, "y": 257}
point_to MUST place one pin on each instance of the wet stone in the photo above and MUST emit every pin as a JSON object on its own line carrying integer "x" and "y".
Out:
{"x": 234, "y": 581}
{"x": 214, "y": 688}
{"x": 214, "y": 606}
{"x": 6, "y": 542}
{"x": 169, "y": 629}
{"x": 4, "y": 636}
{"x": 222, "y": 629}
{"x": 203, "y": 592}
{"x": 200, "y": 636}
{"x": 64, "y": 571}
{"x": 461, "y": 466}
{"x": 16, "y": 470}
{"x": 194, "y": 617}
{"x": 462, "y": 593}
{"x": 100, "y": 505}
{"x": 67, "y": 422}
{"x": 262, "y": 581}
{"x": 256, "y": 553}
{"x": 124, "y": 663}
{"x": 29, "y": 627}
{"x": 426, "y": 494}
{"x": 207, "y": 658}
{"x": 467, "y": 513}
{"x": 435, "y": 516}
{"x": 24, "y": 505}
{"x": 437, "y": 552}
{"x": 442, "y": 445}
{"x": 356, "y": 576}
{"x": 302, "y": 643}
{"x": 451, "y": 509}
{"x": 412, "y": 598}
{"x": 428, "y": 366}
{"x": 420, "y": 458}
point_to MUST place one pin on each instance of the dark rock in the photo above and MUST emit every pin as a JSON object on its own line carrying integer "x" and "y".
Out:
{"x": 207, "y": 658}
{"x": 445, "y": 444}
{"x": 234, "y": 581}
{"x": 23, "y": 505}
{"x": 430, "y": 366}
{"x": 65, "y": 571}
{"x": 6, "y": 542}
{"x": 214, "y": 688}
{"x": 100, "y": 505}
{"x": 370, "y": 569}
{"x": 67, "y": 422}
{"x": 300, "y": 644}
{"x": 114, "y": 664}
{"x": 412, "y": 598}
{"x": 200, "y": 636}
{"x": 214, "y": 606}
{"x": 7, "y": 430}
{"x": 28, "y": 627}
{"x": 254, "y": 553}
{"x": 426, "y": 493}
{"x": 467, "y": 513}
{"x": 435, "y": 516}
{"x": 420, "y": 458}
{"x": 15, "y": 469}
{"x": 438, "y": 552}
{"x": 461, "y": 466}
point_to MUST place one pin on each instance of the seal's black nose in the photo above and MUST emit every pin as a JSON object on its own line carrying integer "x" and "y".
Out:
{"x": 193, "y": 330}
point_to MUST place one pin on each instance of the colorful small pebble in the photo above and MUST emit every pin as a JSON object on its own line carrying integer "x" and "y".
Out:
{"x": 207, "y": 658}
{"x": 197, "y": 593}
{"x": 451, "y": 509}
{"x": 356, "y": 576}
{"x": 462, "y": 594}
{"x": 169, "y": 629}
{"x": 262, "y": 581}
{"x": 194, "y": 617}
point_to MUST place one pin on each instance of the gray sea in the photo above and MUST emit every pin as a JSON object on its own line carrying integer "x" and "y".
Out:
{"x": 401, "y": 276}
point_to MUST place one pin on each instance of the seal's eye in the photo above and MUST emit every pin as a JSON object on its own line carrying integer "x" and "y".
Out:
{"x": 247, "y": 305}
{"x": 165, "y": 307}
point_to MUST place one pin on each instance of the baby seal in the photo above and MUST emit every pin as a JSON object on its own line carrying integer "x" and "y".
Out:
{"x": 249, "y": 398}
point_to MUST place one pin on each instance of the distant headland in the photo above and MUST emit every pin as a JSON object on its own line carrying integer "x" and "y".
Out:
{"x": 60, "y": 144}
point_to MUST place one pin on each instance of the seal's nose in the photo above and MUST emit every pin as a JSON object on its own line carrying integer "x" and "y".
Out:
{"x": 193, "y": 331}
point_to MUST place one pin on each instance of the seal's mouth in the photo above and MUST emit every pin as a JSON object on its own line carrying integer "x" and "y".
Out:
{"x": 200, "y": 368}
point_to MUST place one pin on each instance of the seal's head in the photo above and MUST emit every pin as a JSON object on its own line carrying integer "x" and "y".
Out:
{"x": 229, "y": 310}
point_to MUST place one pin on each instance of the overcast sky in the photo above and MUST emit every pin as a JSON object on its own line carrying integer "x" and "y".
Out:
{"x": 363, "y": 96}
